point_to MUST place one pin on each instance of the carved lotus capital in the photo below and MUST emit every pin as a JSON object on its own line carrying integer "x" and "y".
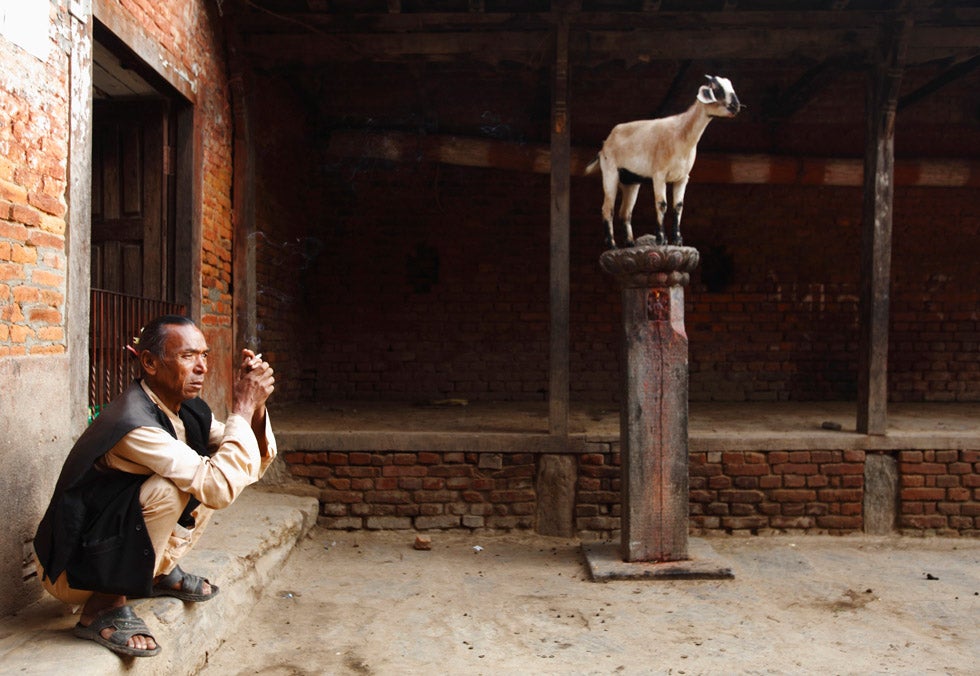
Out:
{"x": 648, "y": 265}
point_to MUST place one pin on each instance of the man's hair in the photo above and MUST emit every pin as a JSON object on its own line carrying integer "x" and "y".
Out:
{"x": 154, "y": 334}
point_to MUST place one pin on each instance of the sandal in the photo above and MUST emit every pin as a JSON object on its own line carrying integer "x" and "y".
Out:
{"x": 126, "y": 625}
{"x": 190, "y": 586}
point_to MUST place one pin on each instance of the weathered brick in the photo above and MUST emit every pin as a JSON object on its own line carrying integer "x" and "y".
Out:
{"x": 922, "y": 522}
{"x": 839, "y": 495}
{"x": 343, "y": 497}
{"x": 747, "y": 470}
{"x": 792, "y": 522}
{"x": 744, "y": 522}
{"x": 391, "y": 497}
{"x": 793, "y": 495}
{"x": 795, "y": 468}
{"x": 842, "y": 468}
{"x": 508, "y": 496}
{"x": 732, "y": 496}
{"x": 440, "y": 521}
{"x": 839, "y": 522}
{"x": 473, "y": 521}
{"x": 922, "y": 494}
{"x": 388, "y": 523}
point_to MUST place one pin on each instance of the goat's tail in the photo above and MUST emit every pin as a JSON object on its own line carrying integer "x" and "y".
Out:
{"x": 591, "y": 166}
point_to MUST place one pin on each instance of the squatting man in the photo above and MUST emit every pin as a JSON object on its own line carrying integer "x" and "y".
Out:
{"x": 139, "y": 485}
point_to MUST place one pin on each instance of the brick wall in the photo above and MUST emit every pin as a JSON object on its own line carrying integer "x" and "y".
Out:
{"x": 33, "y": 180}
{"x": 940, "y": 491}
{"x": 432, "y": 282}
{"x": 33, "y": 170}
{"x": 421, "y": 490}
{"x": 782, "y": 490}
{"x": 756, "y": 492}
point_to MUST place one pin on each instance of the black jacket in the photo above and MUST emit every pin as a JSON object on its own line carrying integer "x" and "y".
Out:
{"x": 93, "y": 527}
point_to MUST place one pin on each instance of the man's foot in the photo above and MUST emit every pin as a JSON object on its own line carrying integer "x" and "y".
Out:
{"x": 184, "y": 586}
{"x": 119, "y": 629}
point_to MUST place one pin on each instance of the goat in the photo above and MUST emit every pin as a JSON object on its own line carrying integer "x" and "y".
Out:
{"x": 661, "y": 151}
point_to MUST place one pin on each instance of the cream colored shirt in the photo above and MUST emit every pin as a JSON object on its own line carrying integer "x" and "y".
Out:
{"x": 238, "y": 459}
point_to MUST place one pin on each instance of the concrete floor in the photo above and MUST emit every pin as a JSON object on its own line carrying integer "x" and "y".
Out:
{"x": 369, "y": 603}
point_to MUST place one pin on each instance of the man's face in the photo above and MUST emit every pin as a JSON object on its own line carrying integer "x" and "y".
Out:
{"x": 179, "y": 375}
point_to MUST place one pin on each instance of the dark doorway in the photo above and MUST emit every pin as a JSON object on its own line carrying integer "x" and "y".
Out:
{"x": 135, "y": 226}
{"x": 132, "y": 225}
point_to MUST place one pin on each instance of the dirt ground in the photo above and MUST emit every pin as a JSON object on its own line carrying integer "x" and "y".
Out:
{"x": 369, "y": 603}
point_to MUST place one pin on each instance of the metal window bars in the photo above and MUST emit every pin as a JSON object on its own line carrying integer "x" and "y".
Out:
{"x": 116, "y": 321}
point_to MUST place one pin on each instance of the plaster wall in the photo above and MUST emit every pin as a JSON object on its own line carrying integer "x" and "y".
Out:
{"x": 37, "y": 412}
{"x": 35, "y": 434}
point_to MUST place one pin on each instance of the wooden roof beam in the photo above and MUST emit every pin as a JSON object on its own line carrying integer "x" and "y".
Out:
{"x": 675, "y": 86}
{"x": 947, "y": 77}
{"x": 801, "y": 92}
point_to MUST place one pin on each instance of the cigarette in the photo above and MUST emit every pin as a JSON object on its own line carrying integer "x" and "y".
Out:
{"x": 248, "y": 367}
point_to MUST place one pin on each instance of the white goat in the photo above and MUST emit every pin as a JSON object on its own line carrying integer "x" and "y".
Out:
{"x": 661, "y": 150}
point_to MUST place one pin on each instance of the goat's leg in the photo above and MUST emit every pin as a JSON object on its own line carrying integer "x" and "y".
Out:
{"x": 610, "y": 183}
{"x": 679, "y": 189}
{"x": 630, "y": 192}
{"x": 660, "y": 194}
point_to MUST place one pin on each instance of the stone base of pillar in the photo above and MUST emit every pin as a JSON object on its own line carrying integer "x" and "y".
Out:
{"x": 606, "y": 564}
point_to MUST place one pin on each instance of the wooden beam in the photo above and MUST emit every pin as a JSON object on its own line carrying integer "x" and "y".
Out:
{"x": 709, "y": 168}
{"x": 632, "y": 45}
{"x": 639, "y": 36}
{"x": 876, "y": 230}
{"x": 560, "y": 161}
{"x": 801, "y": 92}
{"x": 949, "y": 76}
{"x": 675, "y": 85}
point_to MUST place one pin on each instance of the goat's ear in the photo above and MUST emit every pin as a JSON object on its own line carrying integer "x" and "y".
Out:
{"x": 706, "y": 95}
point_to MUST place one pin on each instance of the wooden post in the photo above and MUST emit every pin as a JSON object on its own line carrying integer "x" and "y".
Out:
{"x": 561, "y": 149}
{"x": 653, "y": 422}
{"x": 245, "y": 313}
{"x": 79, "y": 216}
{"x": 876, "y": 232}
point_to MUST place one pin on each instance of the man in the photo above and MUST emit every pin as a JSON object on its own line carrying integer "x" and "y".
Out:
{"x": 139, "y": 485}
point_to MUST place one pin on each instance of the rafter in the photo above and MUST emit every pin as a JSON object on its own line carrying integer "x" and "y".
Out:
{"x": 949, "y": 76}
{"x": 675, "y": 85}
{"x": 801, "y": 92}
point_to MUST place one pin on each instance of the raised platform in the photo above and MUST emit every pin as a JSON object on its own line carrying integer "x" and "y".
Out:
{"x": 754, "y": 468}
{"x": 503, "y": 427}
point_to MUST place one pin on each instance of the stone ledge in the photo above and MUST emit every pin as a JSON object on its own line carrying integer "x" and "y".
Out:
{"x": 242, "y": 550}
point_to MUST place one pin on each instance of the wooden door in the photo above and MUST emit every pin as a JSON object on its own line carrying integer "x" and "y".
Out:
{"x": 132, "y": 233}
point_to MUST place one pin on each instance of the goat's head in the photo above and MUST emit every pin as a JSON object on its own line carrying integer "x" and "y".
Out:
{"x": 719, "y": 96}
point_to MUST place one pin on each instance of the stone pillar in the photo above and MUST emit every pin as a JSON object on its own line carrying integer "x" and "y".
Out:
{"x": 653, "y": 421}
